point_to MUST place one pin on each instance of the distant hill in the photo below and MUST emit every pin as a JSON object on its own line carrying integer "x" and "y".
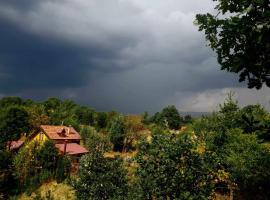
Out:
{"x": 194, "y": 114}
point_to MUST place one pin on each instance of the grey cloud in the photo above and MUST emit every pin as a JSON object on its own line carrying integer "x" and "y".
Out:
{"x": 209, "y": 100}
{"x": 127, "y": 55}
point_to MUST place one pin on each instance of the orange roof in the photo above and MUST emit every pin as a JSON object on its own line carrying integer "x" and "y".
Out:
{"x": 71, "y": 148}
{"x": 60, "y": 132}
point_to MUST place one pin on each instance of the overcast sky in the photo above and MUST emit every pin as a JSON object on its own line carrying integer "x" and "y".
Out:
{"x": 125, "y": 55}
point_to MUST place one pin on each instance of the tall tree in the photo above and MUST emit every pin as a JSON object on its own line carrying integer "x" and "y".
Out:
{"x": 13, "y": 122}
{"x": 171, "y": 117}
{"x": 117, "y": 132}
{"x": 239, "y": 34}
{"x": 101, "y": 120}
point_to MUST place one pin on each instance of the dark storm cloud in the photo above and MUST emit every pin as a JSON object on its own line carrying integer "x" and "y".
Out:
{"x": 126, "y": 55}
{"x": 22, "y": 5}
{"x": 28, "y": 61}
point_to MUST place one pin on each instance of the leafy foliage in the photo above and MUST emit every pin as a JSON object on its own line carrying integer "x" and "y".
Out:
{"x": 171, "y": 168}
{"x": 85, "y": 115}
{"x": 34, "y": 164}
{"x": 101, "y": 178}
{"x": 240, "y": 153}
{"x": 248, "y": 161}
{"x": 240, "y": 37}
{"x": 48, "y": 155}
{"x": 117, "y": 133}
{"x": 133, "y": 128}
{"x": 95, "y": 141}
{"x": 11, "y": 101}
{"x": 101, "y": 119}
{"x": 169, "y": 117}
{"x": 13, "y": 122}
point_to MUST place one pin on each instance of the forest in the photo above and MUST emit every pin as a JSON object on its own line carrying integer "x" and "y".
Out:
{"x": 222, "y": 155}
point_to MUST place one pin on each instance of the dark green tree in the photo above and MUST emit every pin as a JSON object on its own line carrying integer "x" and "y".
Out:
{"x": 255, "y": 119}
{"x": 187, "y": 118}
{"x": 85, "y": 115}
{"x": 239, "y": 34}
{"x": 10, "y": 101}
{"x": 145, "y": 118}
{"x": 52, "y": 104}
{"x": 47, "y": 155}
{"x": 117, "y": 133}
{"x": 101, "y": 120}
{"x": 13, "y": 122}
{"x": 157, "y": 119}
{"x": 171, "y": 117}
{"x": 247, "y": 161}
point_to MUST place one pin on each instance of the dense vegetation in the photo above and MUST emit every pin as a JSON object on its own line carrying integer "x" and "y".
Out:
{"x": 164, "y": 156}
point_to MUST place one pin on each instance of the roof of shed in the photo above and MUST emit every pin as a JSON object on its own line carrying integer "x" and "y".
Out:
{"x": 71, "y": 148}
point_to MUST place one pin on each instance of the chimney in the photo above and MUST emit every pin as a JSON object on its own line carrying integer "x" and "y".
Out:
{"x": 65, "y": 147}
{"x": 68, "y": 129}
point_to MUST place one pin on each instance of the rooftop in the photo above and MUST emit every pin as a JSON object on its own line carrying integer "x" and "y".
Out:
{"x": 71, "y": 148}
{"x": 60, "y": 132}
{"x": 16, "y": 144}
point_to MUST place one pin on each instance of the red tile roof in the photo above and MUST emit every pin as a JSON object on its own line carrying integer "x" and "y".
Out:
{"x": 16, "y": 144}
{"x": 72, "y": 148}
{"x": 60, "y": 132}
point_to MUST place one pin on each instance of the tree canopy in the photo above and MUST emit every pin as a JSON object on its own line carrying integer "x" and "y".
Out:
{"x": 13, "y": 122}
{"x": 101, "y": 178}
{"x": 170, "y": 167}
{"x": 169, "y": 117}
{"x": 239, "y": 34}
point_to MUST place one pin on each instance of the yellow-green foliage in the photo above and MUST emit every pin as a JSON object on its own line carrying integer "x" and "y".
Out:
{"x": 59, "y": 191}
{"x": 40, "y": 138}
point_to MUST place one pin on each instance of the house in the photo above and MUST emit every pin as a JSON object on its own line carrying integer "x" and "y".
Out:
{"x": 66, "y": 138}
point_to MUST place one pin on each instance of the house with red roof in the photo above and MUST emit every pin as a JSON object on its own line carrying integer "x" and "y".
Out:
{"x": 66, "y": 138}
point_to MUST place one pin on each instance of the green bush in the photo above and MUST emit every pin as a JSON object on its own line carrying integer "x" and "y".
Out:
{"x": 101, "y": 178}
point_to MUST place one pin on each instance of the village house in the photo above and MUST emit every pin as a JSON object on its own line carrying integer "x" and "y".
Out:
{"x": 66, "y": 139}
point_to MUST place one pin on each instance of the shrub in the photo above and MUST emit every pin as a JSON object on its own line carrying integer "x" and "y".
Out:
{"x": 101, "y": 178}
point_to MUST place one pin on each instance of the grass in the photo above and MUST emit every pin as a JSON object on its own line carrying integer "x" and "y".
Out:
{"x": 59, "y": 191}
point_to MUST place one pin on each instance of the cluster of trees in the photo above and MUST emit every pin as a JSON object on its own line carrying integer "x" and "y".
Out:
{"x": 169, "y": 167}
{"x": 239, "y": 138}
{"x": 29, "y": 115}
{"x": 31, "y": 166}
{"x": 226, "y": 153}
{"x": 34, "y": 164}
{"x": 19, "y": 117}
{"x": 120, "y": 134}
